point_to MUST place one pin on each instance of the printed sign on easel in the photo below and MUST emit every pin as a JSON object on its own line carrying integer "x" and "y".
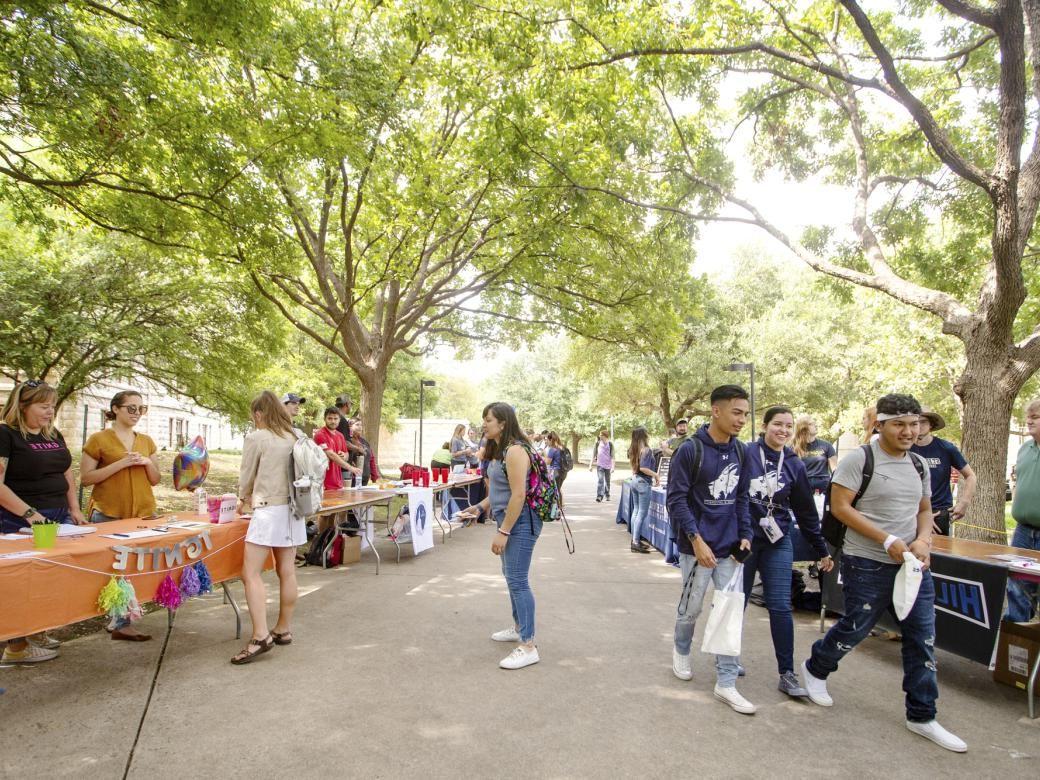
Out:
{"x": 420, "y": 515}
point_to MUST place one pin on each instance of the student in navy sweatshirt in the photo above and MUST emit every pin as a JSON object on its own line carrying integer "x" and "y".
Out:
{"x": 778, "y": 486}
{"x": 710, "y": 510}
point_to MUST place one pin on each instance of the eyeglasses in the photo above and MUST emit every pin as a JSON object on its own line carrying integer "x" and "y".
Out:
{"x": 135, "y": 409}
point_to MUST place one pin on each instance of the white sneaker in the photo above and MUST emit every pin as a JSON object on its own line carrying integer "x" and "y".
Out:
{"x": 681, "y": 665}
{"x": 30, "y": 655}
{"x": 43, "y": 640}
{"x": 816, "y": 688}
{"x": 731, "y": 697}
{"x": 506, "y": 635}
{"x": 940, "y": 736}
{"x": 519, "y": 658}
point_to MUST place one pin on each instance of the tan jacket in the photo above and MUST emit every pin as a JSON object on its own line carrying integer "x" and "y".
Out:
{"x": 263, "y": 479}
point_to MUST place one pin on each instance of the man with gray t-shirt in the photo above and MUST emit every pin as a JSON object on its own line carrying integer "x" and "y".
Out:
{"x": 893, "y": 517}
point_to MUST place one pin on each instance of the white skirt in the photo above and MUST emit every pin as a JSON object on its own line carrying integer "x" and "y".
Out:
{"x": 273, "y": 526}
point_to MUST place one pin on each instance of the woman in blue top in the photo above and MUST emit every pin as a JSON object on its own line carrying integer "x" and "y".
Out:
{"x": 779, "y": 490}
{"x": 644, "y": 470}
{"x": 509, "y": 452}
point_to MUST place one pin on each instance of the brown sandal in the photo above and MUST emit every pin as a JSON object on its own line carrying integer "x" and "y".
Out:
{"x": 282, "y": 639}
{"x": 248, "y": 653}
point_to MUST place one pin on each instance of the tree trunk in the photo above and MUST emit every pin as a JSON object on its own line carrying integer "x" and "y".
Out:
{"x": 988, "y": 397}
{"x": 575, "y": 441}
{"x": 665, "y": 403}
{"x": 373, "y": 385}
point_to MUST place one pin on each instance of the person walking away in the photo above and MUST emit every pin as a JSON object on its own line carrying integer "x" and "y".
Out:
{"x": 942, "y": 457}
{"x": 263, "y": 486}
{"x": 818, "y": 455}
{"x": 36, "y": 486}
{"x": 511, "y": 458}
{"x": 892, "y": 516}
{"x": 603, "y": 462}
{"x": 777, "y": 487}
{"x": 709, "y": 507}
{"x": 1025, "y": 509}
{"x": 123, "y": 467}
{"x": 644, "y": 472}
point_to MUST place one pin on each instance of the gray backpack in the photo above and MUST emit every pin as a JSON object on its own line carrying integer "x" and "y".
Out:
{"x": 307, "y": 468}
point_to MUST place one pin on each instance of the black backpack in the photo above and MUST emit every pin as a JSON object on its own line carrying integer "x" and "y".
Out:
{"x": 323, "y": 551}
{"x": 833, "y": 529}
{"x": 566, "y": 461}
{"x": 698, "y": 459}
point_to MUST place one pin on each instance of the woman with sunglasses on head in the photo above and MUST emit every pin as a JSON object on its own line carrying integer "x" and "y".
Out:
{"x": 36, "y": 485}
{"x": 122, "y": 465}
{"x": 778, "y": 492}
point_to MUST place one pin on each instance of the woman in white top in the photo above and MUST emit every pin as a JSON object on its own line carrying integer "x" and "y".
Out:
{"x": 263, "y": 485}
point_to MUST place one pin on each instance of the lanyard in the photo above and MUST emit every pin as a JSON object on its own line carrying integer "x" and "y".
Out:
{"x": 774, "y": 484}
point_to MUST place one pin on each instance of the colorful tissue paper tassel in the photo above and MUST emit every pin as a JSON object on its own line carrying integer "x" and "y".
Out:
{"x": 113, "y": 599}
{"x": 133, "y": 608}
{"x": 190, "y": 582}
{"x": 168, "y": 594}
{"x": 205, "y": 580}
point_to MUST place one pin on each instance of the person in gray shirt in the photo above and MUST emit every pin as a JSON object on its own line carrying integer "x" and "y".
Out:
{"x": 891, "y": 518}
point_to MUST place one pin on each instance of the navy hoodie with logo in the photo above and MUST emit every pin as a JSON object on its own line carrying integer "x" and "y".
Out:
{"x": 716, "y": 504}
{"x": 793, "y": 494}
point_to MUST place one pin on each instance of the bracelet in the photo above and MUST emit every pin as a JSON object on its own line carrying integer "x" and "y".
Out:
{"x": 504, "y": 533}
{"x": 889, "y": 541}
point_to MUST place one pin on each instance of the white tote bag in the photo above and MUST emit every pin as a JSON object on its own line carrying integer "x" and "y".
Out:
{"x": 722, "y": 634}
{"x": 907, "y": 584}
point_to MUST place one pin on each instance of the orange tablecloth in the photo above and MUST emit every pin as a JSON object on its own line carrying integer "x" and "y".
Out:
{"x": 38, "y": 593}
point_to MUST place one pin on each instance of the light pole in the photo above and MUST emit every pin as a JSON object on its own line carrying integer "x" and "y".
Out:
{"x": 423, "y": 384}
{"x": 750, "y": 368}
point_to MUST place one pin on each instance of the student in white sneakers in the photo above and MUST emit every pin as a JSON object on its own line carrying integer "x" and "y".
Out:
{"x": 510, "y": 453}
{"x": 708, "y": 503}
{"x": 891, "y": 517}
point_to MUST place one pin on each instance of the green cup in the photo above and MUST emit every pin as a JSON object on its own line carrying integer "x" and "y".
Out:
{"x": 44, "y": 535}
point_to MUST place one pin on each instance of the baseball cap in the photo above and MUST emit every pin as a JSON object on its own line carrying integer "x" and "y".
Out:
{"x": 293, "y": 398}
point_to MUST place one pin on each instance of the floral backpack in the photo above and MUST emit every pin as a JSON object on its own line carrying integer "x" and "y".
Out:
{"x": 543, "y": 496}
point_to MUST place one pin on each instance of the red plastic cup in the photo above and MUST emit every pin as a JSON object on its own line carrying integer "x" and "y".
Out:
{"x": 415, "y": 479}
{"x": 425, "y": 477}
{"x": 436, "y": 475}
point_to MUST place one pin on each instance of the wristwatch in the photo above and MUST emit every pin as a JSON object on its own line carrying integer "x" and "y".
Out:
{"x": 28, "y": 513}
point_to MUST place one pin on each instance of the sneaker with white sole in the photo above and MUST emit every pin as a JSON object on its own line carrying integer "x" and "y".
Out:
{"x": 506, "y": 635}
{"x": 816, "y": 688}
{"x": 519, "y": 658}
{"x": 30, "y": 655}
{"x": 43, "y": 640}
{"x": 681, "y": 665}
{"x": 731, "y": 697}
{"x": 937, "y": 734}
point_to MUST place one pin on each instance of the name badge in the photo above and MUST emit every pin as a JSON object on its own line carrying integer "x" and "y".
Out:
{"x": 771, "y": 529}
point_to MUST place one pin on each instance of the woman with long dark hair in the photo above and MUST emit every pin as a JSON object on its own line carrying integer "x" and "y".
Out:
{"x": 511, "y": 457}
{"x": 263, "y": 485}
{"x": 779, "y": 490}
{"x": 644, "y": 471}
{"x": 122, "y": 465}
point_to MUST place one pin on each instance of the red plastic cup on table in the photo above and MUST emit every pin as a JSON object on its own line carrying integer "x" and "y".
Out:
{"x": 436, "y": 475}
{"x": 444, "y": 475}
{"x": 415, "y": 479}
{"x": 425, "y": 477}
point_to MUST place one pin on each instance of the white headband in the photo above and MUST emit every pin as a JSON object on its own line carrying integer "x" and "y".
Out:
{"x": 882, "y": 417}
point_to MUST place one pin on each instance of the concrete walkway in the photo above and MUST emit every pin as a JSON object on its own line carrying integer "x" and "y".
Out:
{"x": 394, "y": 676}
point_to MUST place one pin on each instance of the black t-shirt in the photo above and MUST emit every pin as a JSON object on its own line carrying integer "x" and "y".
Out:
{"x": 36, "y": 468}
{"x": 817, "y": 456}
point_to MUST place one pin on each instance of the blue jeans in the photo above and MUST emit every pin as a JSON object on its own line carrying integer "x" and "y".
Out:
{"x": 516, "y": 564}
{"x": 774, "y": 562}
{"x": 640, "y": 508}
{"x": 695, "y": 585}
{"x": 868, "y": 593}
{"x": 1022, "y": 596}
{"x": 11, "y": 523}
{"x": 602, "y": 482}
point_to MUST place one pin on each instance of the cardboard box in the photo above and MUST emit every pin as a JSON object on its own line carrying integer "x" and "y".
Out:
{"x": 351, "y": 549}
{"x": 1017, "y": 651}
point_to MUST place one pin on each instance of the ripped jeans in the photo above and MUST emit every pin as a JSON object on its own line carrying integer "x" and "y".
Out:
{"x": 868, "y": 593}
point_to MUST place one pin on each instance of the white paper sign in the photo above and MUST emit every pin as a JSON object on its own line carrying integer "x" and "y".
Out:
{"x": 420, "y": 515}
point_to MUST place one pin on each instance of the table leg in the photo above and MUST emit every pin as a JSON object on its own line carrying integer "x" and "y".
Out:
{"x": 229, "y": 599}
{"x": 1031, "y": 688}
{"x": 436, "y": 516}
{"x": 369, "y": 537}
